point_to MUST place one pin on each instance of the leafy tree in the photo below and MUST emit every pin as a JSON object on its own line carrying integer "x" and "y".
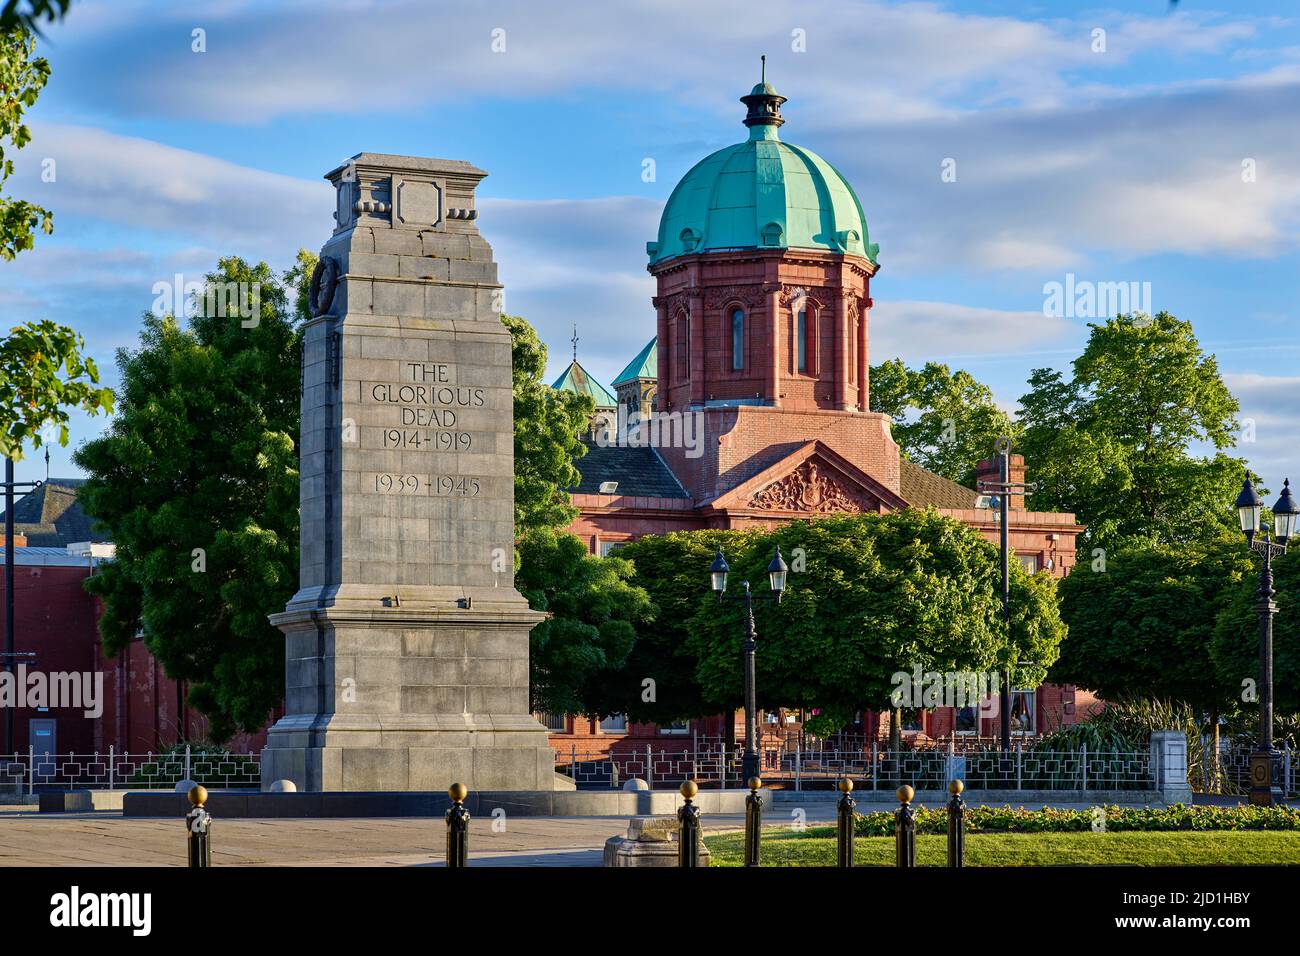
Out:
{"x": 196, "y": 482}
{"x": 594, "y": 611}
{"x": 547, "y": 425}
{"x": 944, "y": 421}
{"x": 26, "y": 15}
{"x": 1235, "y": 645}
{"x": 42, "y": 375}
{"x": 42, "y": 371}
{"x": 1112, "y": 443}
{"x": 1144, "y": 627}
{"x": 22, "y": 77}
{"x": 877, "y": 595}
{"x": 673, "y": 570}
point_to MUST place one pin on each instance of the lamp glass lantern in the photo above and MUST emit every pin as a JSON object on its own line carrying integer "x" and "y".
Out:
{"x": 719, "y": 571}
{"x": 1286, "y": 515}
{"x": 1249, "y": 509}
{"x": 776, "y": 572}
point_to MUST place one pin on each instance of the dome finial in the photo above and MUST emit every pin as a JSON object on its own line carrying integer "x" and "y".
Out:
{"x": 764, "y": 106}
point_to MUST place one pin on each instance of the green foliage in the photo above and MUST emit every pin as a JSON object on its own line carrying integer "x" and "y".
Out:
{"x": 22, "y": 77}
{"x": 42, "y": 375}
{"x": 1235, "y": 644}
{"x": 593, "y": 613}
{"x": 869, "y": 596}
{"x": 1008, "y": 819}
{"x": 673, "y": 570}
{"x": 547, "y": 426}
{"x": 1112, "y": 443}
{"x": 26, "y": 15}
{"x": 196, "y": 481}
{"x": 944, "y": 421}
{"x": 1144, "y": 627}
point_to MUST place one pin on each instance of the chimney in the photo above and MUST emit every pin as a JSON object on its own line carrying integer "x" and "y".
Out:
{"x": 989, "y": 470}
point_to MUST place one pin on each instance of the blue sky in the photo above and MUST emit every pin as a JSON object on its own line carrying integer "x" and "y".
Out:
{"x": 1115, "y": 157}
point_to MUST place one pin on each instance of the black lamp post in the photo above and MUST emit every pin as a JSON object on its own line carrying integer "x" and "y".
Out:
{"x": 9, "y": 654}
{"x": 1264, "y": 789}
{"x": 776, "y": 573}
{"x": 1000, "y": 502}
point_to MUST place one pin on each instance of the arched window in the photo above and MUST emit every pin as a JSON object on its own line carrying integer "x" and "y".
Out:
{"x": 801, "y": 336}
{"x": 737, "y": 340}
{"x": 683, "y": 347}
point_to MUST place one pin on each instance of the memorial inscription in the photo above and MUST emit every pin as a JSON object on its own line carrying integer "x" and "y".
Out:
{"x": 407, "y": 644}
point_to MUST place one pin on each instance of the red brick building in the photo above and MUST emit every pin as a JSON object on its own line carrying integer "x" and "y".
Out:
{"x": 759, "y": 380}
{"x": 55, "y": 631}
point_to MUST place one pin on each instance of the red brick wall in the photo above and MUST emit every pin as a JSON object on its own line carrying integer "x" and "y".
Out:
{"x": 143, "y": 709}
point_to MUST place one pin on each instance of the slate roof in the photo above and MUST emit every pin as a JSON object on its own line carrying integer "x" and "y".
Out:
{"x": 640, "y": 472}
{"x": 575, "y": 378}
{"x": 921, "y": 488}
{"x": 51, "y": 515}
{"x": 644, "y": 365}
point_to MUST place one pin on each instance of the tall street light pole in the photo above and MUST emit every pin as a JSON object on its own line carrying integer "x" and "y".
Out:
{"x": 9, "y": 654}
{"x": 1264, "y": 783}
{"x": 1002, "y": 489}
{"x": 776, "y": 572}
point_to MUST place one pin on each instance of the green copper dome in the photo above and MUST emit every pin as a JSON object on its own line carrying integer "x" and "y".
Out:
{"x": 762, "y": 193}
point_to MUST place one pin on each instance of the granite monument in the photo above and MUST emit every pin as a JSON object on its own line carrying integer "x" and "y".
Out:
{"x": 406, "y": 645}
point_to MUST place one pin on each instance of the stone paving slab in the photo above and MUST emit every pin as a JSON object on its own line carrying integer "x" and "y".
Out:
{"x": 107, "y": 839}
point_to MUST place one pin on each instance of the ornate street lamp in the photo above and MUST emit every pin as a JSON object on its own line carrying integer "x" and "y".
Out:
{"x": 1286, "y": 513}
{"x": 776, "y": 575}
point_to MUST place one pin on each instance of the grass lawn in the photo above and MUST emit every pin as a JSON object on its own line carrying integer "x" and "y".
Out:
{"x": 784, "y": 847}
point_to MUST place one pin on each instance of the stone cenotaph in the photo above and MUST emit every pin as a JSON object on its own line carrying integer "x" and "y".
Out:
{"x": 406, "y": 646}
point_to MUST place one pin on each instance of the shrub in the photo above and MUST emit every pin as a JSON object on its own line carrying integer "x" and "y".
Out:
{"x": 1008, "y": 819}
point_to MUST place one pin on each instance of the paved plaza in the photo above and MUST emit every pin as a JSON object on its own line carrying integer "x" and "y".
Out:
{"x": 104, "y": 839}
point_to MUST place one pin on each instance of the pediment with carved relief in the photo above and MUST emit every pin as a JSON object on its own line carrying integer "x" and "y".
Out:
{"x": 813, "y": 488}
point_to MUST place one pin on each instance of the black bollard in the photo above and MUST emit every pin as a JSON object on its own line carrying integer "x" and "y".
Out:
{"x": 844, "y": 825}
{"x": 956, "y": 825}
{"x": 905, "y": 827}
{"x": 198, "y": 822}
{"x": 688, "y": 837}
{"x": 753, "y": 822}
{"x": 457, "y": 826}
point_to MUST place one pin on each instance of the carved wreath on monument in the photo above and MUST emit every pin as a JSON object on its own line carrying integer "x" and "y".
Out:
{"x": 808, "y": 488}
{"x": 324, "y": 280}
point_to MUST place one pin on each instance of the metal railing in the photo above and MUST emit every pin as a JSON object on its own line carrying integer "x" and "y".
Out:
{"x": 27, "y": 773}
{"x": 1234, "y": 768}
{"x": 873, "y": 767}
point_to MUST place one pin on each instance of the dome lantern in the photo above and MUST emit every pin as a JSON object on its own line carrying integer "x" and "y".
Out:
{"x": 764, "y": 104}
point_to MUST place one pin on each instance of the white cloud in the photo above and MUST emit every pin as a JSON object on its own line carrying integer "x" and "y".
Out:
{"x": 863, "y": 59}
{"x": 918, "y": 332}
{"x": 145, "y": 185}
{"x": 1268, "y": 408}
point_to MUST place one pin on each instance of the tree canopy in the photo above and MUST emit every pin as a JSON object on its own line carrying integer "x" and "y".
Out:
{"x": 196, "y": 481}
{"x": 547, "y": 425}
{"x": 944, "y": 421}
{"x": 22, "y": 77}
{"x": 871, "y": 596}
{"x": 594, "y": 612}
{"x": 1144, "y": 627}
{"x": 1113, "y": 443}
{"x": 1234, "y": 647}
